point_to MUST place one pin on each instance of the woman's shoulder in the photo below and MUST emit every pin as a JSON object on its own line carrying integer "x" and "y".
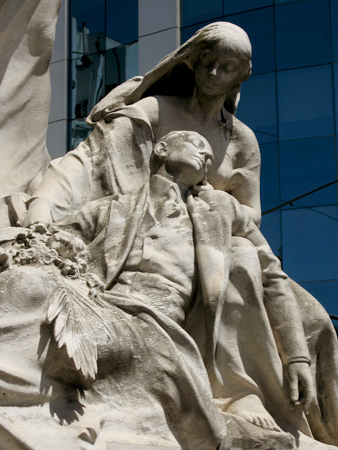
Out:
{"x": 242, "y": 132}
{"x": 155, "y": 106}
{"x": 245, "y": 141}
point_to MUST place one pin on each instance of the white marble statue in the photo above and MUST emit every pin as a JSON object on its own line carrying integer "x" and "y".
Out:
{"x": 27, "y": 30}
{"x": 170, "y": 266}
{"x": 112, "y": 290}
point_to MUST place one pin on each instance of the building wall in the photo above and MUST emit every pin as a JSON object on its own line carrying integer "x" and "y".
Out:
{"x": 290, "y": 101}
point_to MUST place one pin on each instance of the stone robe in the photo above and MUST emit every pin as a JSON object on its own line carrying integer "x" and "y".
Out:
{"x": 115, "y": 159}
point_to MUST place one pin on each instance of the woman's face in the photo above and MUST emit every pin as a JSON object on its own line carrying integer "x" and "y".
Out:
{"x": 218, "y": 70}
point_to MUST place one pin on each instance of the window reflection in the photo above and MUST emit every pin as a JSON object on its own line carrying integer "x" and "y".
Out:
{"x": 270, "y": 196}
{"x": 307, "y": 164}
{"x": 271, "y": 229}
{"x": 88, "y": 22}
{"x": 258, "y": 107}
{"x": 326, "y": 293}
{"x": 231, "y": 7}
{"x": 277, "y": 2}
{"x": 305, "y": 256}
{"x": 121, "y": 64}
{"x": 335, "y": 76}
{"x": 196, "y": 11}
{"x": 334, "y": 29}
{"x": 305, "y": 102}
{"x": 303, "y": 42}
{"x": 79, "y": 131}
{"x": 88, "y": 83}
{"x": 122, "y": 20}
{"x": 100, "y": 61}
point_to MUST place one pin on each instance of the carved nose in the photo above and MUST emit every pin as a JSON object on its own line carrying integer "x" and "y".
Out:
{"x": 214, "y": 69}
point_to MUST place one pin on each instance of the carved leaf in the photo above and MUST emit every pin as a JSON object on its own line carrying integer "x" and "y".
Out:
{"x": 77, "y": 323}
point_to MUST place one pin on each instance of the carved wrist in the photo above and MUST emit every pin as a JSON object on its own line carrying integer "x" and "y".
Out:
{"x": 298, "y": 359}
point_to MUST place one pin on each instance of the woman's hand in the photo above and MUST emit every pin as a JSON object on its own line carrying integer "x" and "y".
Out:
{"x": 301, "y": 385}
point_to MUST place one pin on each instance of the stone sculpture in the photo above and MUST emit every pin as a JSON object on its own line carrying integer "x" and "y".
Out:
{"x": 27, "y": 32}
{"x": 125, "y": 339}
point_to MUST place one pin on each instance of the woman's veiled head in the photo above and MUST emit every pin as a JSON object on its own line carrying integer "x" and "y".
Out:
{"x": 175, "y": 74}
{"x": 230, "y": 37}
{"x": 218, "y": 41}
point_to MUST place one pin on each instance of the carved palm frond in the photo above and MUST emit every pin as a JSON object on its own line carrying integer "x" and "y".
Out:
{"x": 78, "y": 323}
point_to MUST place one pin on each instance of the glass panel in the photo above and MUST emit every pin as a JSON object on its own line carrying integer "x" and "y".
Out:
{"x": 277, "y": 2}
{"x": 88, "y": 26}
{"x": 88, "y": 84}
{"x": 334, "y": 29}
{"x": 258, "y": 108}
{"x": 326, "y": 293}
{"x": 231, "y": 7}
{"x": 305, "y": 102}
{"x": 310, "y": 243}
{"x": 307, "y": 164}
{"x": 259, "y": 24}
{"x": 271, "y": 229}
{"x": 79, "y": 130}
{"x": 303, "y": 34}
{"x": 189, "y": 31}
{"x": 121, "y": 64}
{"x": 194, "y": 11}
{"x": 270, "y": 196}
{"x": 335, "y": 76}
{"x": 122, "y": 21}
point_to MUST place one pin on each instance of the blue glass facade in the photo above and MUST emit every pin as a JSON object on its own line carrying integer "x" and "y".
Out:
{"x": 291, "y": 103}
{"x": 104, "y": 35}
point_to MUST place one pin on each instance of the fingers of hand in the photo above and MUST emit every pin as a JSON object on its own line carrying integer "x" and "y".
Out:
{"x": 294, "y": 392}
{"x": 301, "y": 386}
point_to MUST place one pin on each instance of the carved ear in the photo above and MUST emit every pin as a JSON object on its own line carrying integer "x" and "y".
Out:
{"x": 161, "y": 149}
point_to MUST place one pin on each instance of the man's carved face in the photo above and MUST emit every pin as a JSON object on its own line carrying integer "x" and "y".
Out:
{"x": 188, "y": 158}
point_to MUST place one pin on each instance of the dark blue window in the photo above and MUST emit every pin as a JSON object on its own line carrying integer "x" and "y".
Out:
{"x": 305, "y": 102}
{"x": 335, "y": 74}
{"x": 231, "y": 6}
{"x": 122, "y": 21}
{"x": 270, "y": 195}
{"x": 306, "y": 257}
{"x": 303, "y": 34}
{"x": 334, "y": 26}
{"x": 271, "y": 229}
{"x": 258, "y": 107}
{"x": 326, "y": 293}
{"x": 196, "y": 11}
{"x": 277, "y": 2}
{"x": 307, "y": 164}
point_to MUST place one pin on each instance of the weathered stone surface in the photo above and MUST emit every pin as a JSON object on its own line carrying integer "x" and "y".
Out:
{"x": 27, "y": 32}
{"x": 142, "y": 307}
